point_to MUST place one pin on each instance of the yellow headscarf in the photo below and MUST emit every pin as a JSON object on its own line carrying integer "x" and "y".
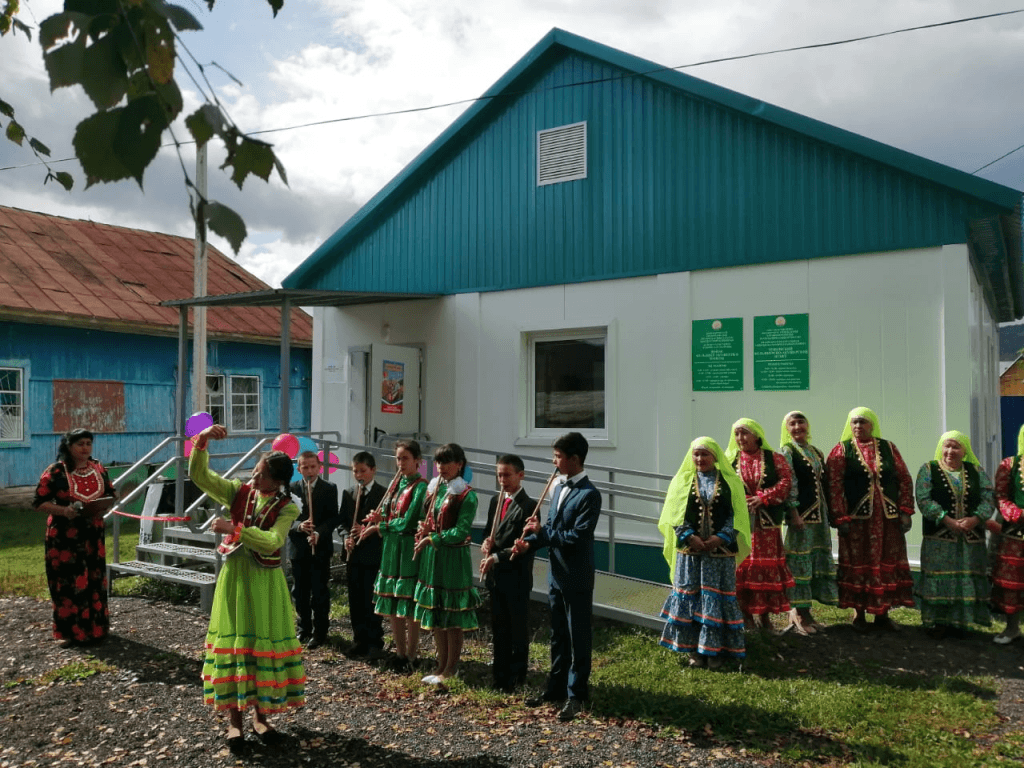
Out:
{"x": 864, "y": 413}
{"x": 674, "y": 511}
{"x": 961, "y": 438}
{"x": 749, "y": 425}
{"x": 786, "y": 437}
{"x": 1020, "y": 441}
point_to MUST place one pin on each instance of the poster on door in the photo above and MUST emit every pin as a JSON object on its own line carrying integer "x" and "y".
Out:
{"x": 392, "y": 387}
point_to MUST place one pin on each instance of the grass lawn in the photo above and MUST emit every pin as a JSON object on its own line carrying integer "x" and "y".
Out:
{"x": 840, "y": 714}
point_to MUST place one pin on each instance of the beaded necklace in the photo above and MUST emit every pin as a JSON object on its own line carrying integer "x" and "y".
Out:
{"x": 958, "y": 494}
{"x": 85, "y": 484}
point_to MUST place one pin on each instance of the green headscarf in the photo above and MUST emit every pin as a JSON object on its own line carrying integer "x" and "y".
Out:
{"x": 864, "y": 413}
{"x": 1020, "y": 441}
{"x": 674, "y": 511}
{"x": 785, "y": 437}
{"x": 961, "y": 438}
{"x": 751, "y": 426}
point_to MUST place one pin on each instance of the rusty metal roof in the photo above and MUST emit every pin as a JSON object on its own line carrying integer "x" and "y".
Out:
{"x": 62, "y": 271}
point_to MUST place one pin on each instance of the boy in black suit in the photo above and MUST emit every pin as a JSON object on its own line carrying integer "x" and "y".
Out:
{"x": 364, "y": 558}
{"x": 569, "y": 537}
{"x": 310, "y": 548}
{"x": 508, "y": 580}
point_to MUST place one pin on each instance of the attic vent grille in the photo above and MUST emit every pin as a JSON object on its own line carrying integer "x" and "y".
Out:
{"x": 562, "y": 154}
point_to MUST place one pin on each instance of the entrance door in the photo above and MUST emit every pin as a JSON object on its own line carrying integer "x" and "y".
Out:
{"x": 394, "y": 399}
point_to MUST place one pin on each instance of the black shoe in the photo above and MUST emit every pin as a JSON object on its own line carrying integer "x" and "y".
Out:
{"x": 237, "y": 745}
{"x": 315, "y": 643}
{"x": 305, "y": 637}
{"x": 541, "y": 699}
{"x": 376, "y": 654}
{"x": 269, "y": 737}
{"x": 357, "y": 652}
{"x": 572, "y": 708}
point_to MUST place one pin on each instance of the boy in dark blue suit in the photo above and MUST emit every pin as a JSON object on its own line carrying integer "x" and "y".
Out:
{"x": 569, "y": 537}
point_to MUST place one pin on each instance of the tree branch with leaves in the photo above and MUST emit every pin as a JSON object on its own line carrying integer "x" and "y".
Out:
{"x": 123, "y": 54}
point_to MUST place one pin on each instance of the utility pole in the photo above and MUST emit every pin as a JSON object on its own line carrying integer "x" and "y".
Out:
{"x": 199, "y": 286}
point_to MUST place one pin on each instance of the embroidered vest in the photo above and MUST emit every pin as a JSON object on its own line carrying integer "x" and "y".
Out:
{"x": 857, "y": 482}
{"x": 399, "y": 503}
{"x": 708, "y": 519}
{"x": 243, "y": 510}
{"x": 1015, "y": 530}
{"x": 768, "y": 516}
{"x": 809, "y": 487}
{"x": 944, "y": 495}
{"x": 448, "y": 516}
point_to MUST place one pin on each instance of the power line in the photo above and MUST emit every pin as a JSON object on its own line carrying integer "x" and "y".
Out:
{"x": 720, "y": 60}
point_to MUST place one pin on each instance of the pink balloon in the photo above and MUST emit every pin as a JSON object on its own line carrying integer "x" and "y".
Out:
{"x": 287, "y": 443}
{"x": 333, "y": 460}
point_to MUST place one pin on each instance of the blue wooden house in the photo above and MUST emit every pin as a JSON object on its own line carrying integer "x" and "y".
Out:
{"x": 84, "y": 342}
{"x": 604, "y": 244}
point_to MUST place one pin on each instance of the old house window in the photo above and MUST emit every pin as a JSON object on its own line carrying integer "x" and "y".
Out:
{"x": 12, "y": 404}
{"x": 215, "y": 405}
{"x": 567, "y": 382}
{"x": 245, "y": 403}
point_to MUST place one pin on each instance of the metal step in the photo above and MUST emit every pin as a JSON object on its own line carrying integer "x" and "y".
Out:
{"x": 205, "y": 581}
{"x": 167, "y": 549}
{"x": 184, "y": 533}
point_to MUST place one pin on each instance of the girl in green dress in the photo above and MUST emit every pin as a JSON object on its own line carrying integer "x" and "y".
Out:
{"x": 446, "y": 600}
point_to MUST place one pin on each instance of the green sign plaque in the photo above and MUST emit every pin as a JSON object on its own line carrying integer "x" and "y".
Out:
{"x": 781, "y": 352}
{"x": 717, "y": 355}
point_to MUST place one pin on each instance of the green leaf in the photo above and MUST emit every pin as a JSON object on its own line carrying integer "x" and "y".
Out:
{"x": 61, "y": 177}
{"x": 251, "y": 156}
{"x": 39, "y": 147}
{"x": 64, "y": 63}
{"x": 159, "y": 50}
{"x": 60, "y": 26}
{"x": 226, "y": 223}
{"x": 277, "y": 5}
{"x": 15, "y": 132}
{"x": 6, "y": 109}
{"x": 198, "y": 124}
{"x": 280, "y": 170}
{"x": 104, "y": 76}
{"x": 181, "y": 19}
{"x": 137, "y": 139}
{"x": 170, "y": 97}
{"x": 94, "y": 148}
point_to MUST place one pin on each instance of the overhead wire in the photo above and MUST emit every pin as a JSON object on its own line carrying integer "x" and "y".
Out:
{"x": 719, "y": 60}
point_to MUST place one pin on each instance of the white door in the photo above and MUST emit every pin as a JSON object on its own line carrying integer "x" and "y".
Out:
{"x": 394, "y": 399}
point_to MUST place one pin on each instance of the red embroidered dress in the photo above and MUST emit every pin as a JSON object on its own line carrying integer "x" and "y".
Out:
{"x": 1008, "y": 569}
{"x": 253, "y": 658}
{"x": 869, "y": 487}
{"x": 76, "y": 566}
{"x": 763, "y": 577}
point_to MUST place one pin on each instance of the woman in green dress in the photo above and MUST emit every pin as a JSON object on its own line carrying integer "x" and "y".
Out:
{"x": 396, "y": 520}
{"x": 955, "y": 497}
{"x": 446, "y": 600}
{"x": 808, "y": 536}
{"x": 253, "y": 658}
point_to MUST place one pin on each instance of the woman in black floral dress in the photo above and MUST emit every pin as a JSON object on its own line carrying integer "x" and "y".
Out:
{"x": 76, "y": 566}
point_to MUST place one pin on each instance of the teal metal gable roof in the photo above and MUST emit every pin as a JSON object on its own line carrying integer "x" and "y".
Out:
{"x": 682, "y": 175}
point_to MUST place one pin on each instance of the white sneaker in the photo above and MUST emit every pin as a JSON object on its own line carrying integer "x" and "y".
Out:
{"x": 1005, "y": 639}
{"x": 431, "y": 680}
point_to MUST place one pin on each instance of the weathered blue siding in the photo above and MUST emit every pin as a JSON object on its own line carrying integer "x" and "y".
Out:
{"x": 147, "y": 367}
{"x": 682, "y": 175}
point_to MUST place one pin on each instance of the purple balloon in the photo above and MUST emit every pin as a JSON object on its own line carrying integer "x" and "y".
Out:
{"x": 197, "y": 422}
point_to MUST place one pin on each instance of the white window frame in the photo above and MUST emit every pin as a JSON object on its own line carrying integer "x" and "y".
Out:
{"x": 19, "y": 438}
{"x": 251, "y": 399}
{"x": 222, "y": 395}
{"x": 544, "y": 436}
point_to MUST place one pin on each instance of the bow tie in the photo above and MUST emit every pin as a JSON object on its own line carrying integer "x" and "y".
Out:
{"x": 569, "y": 485}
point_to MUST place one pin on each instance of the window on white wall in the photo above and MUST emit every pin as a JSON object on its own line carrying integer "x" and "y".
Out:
{"x": 12, "y": 404}
{"x": 245, "y": 403}
{"x": 215, "y": 405}
{"x": 568, "y": 382}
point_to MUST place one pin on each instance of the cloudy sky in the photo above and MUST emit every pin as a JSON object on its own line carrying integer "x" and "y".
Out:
{"x": 950, "y": 94}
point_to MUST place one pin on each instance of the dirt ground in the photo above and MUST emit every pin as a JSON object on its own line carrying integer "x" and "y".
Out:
{"x": 146, "y": 708}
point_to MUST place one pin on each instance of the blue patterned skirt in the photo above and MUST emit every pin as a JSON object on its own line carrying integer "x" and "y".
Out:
{"x": 702, "y": 615}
